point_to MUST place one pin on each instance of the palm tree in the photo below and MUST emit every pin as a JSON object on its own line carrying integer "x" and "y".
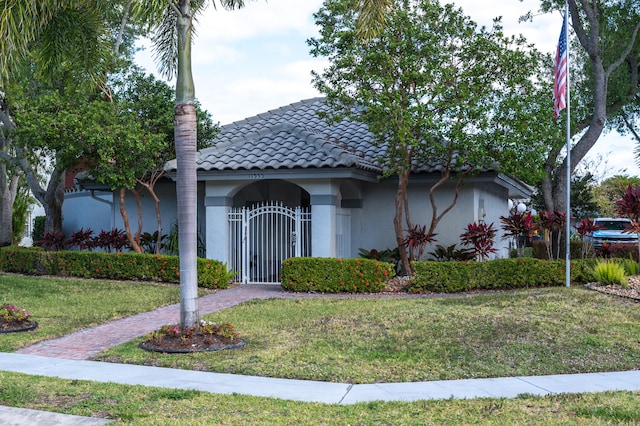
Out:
{"x": 371, "y": 16}
{"x": 173, "y": 21}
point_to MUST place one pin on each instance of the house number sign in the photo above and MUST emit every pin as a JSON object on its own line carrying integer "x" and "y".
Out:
{"x": 256, "y": 176}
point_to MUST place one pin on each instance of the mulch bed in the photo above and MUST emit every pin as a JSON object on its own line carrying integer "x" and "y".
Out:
{"x": 631, "y": 292}
{"x": 198, "y": 342}
{"x": 16, "y": 327}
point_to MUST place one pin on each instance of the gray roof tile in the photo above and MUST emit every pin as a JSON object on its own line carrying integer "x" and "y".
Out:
{"x": 293, "y": 137}
{"x": 290, "y": 137}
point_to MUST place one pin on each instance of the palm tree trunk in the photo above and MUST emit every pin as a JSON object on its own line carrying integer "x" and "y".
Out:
{"x": 185, "y": 134}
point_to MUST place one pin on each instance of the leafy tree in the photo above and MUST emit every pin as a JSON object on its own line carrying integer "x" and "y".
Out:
{"x": 611, "y": 190}
{"x": 606, "y": 80}
{"x": 432, "y": 88}
{"x": 583, "y": 202}
{"x": 39, "y": 50}
{"x": 136, "y": 163}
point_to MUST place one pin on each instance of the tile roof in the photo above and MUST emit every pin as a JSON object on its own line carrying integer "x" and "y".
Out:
{"x": 295, "y": 137}
{"x": 290, "y": 137}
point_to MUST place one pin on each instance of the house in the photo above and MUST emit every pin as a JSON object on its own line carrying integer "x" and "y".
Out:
{"x": 285, "y": 183}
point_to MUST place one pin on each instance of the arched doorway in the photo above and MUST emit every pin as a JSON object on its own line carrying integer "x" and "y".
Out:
{"x": 269, "y": 222}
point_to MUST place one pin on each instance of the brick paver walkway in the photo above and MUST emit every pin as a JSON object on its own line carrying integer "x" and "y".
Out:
{"x": 87, "y": 343}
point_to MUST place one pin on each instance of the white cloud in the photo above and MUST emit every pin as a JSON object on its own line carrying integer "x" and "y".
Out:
{"x": 258, "y": 19}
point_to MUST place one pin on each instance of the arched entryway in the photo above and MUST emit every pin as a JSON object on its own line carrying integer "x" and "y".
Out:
{"x": 270, "y": 221}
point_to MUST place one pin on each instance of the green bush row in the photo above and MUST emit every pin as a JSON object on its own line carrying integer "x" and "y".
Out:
{"x": 116, "y": 266}
{"x": 329, "y": 275}
{"x": 539, "y": 250}
{"x": 454, "y": 277}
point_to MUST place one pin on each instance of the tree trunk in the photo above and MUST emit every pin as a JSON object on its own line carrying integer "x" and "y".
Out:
{"x": 151, "y": 189}
{"x": 185, "y": 131}
{"x": 8, "y": 191}
{"x": 403, "y": 179}
{"x": 554, "y": 193}
{"x": 52, "y": 202}
{"x": 127, "y": 227}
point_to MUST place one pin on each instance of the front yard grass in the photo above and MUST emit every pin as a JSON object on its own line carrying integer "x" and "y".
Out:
{"x": 356, "y": 340}
{"x": 63, "y": 305}
{"x": 154, "y": 406}
{"x": 359, "y": 340}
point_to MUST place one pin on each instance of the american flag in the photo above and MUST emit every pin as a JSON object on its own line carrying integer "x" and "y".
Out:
{"x": 560, "y": 72}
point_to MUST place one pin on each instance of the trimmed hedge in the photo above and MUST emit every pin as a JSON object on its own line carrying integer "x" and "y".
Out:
{"x": 116, "y": 266}
{"x": 539, "y": 249}
{"x": 455, "y": 277}
{"x": 329, "y": 275}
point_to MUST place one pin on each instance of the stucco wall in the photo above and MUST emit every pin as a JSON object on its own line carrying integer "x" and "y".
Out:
{"x": 371, "y": 224}
{"x": 81, "y": 211}
{"x": 373, "y": 227}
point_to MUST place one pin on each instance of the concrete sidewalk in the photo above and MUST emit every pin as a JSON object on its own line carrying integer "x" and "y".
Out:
{"x": 312, "y": 391}
{"x": 296, "y": 390}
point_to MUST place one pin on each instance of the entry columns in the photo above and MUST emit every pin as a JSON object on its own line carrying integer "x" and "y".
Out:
{"x": 323, "y": 225}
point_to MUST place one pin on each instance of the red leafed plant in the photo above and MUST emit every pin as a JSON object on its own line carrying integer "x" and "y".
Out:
{"x": 584, "y": 230}
{"x": 552, "y": 222}
{"x": 629, "y": 206}
{"x": 518, "y": 225}
{"x": 416, "y": 241}
{"x": 480, "y": 236}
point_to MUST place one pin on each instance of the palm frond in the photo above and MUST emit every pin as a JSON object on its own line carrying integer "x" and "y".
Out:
{"x": 165, "y": 45}
{"x": 20, "y": 24}
{"x": 73, "y": 46}
{"x": 372, "y": 17}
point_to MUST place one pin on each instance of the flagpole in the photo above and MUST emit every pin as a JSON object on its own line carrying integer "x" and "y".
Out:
{"x": 568, "y": 158}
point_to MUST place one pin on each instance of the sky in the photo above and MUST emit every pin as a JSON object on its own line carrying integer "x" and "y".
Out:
{"x": 255, "y": 59}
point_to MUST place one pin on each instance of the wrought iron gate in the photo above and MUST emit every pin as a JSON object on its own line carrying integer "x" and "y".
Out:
{"x": 263, "y": 236}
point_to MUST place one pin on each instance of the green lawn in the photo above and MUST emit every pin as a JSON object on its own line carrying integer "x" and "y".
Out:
{"x": 153, "y": 406}
{"x": 528, "y": 332}
{"x": 63, "y": 305}
{"x": 346, "y": 340}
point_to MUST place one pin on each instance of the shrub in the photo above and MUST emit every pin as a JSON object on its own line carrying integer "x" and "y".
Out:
{"x": 118, "y": 266}
{"x": 329, "y": 275}
{"x": 20, "y": 260}
{"x": 480, "y": 237}
{"x": 618, "y": 250}
{"x": 82, "y": 239}
{"x": 416, "y": 240}
{"x": 214, "y": 274}
{"x": 539, "y": 250}
{"x": 454, "y": 277}
{"x": 113, "y": 240}
{"x": 610, "y": 272}
{"x": 38, "y": 228}
{"x": 52, "y": 241}
{"x": 445, "y": 254}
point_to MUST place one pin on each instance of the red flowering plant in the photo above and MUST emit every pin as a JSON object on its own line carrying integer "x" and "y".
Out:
{"x": 584, "y": 230}
{"x": 416, "y": 241}
{"x": 519, "y": 226}
{"x": 205, "y": 334}
{"x": 629, "y": 206}
{"x": 480, "y": 236}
